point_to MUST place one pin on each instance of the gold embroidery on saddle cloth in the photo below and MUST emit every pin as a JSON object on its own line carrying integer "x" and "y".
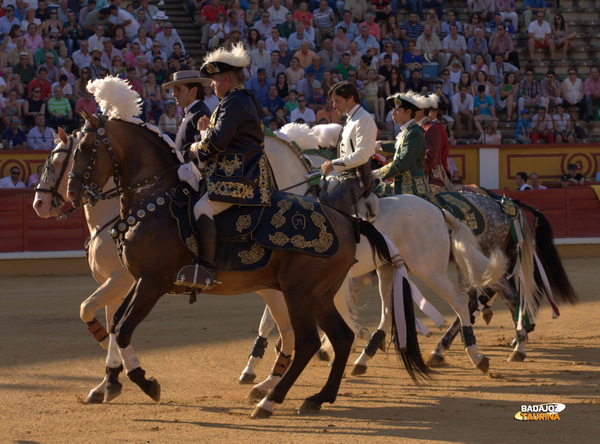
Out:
{"x": 252, "y": 256}
{"x": 320, "y": 245}
{"x": 278, "y": 219}
{"x": 465, "y": 209}
{"x": 307, "y": 205}
{"x": 243, "y": 223}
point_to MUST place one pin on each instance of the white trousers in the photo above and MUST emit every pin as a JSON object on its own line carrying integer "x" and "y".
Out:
{"x": 209, "y": 207}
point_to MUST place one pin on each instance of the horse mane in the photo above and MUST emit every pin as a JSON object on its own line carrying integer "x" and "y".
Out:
{"x": 116, "y": 98}
{"x": 296, "y": 149}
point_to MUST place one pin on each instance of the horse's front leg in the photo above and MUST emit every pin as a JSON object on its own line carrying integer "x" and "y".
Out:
{"x": 146, "y": 292}
{"x": 108, "y": 295}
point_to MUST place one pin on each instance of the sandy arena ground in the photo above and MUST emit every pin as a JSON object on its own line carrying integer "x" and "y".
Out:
{"x": 49, "y": 362}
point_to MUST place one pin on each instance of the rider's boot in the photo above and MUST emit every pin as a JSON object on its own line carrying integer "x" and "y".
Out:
{"x": 202, "y": 275}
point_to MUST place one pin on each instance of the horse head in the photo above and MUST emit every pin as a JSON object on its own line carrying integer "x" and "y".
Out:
{"x": 94, "y": 163}
{"x": 51, "y": 191}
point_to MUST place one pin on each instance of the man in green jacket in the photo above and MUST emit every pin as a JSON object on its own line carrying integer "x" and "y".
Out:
{"x": 407, "y": 166}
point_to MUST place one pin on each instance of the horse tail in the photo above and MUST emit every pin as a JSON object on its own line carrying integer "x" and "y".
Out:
{"x": 549, "y": 259}
{"x": 478, "y": 270}
{"x": 410, "y": 355}
{"x": 532, "y": 293}
{"x": 404, "y": 329}
{"x": 376, "y": 240}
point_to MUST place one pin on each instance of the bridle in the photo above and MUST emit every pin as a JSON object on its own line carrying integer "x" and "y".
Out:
{"x": 93, "y": 188}
{"x": 57, "y": 200}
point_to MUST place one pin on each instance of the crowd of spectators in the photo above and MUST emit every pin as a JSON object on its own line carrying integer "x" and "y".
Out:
{"x": 50, "y": 50}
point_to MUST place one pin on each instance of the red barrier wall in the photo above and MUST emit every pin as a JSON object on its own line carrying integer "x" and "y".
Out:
{"x": 572, "y": 212}
{"x": 22, "y": 230}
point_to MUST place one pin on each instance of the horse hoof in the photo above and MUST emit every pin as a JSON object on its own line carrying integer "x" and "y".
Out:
{"x": 94, "y": 398}
{"x": 323, "y": 356}
{"x": 260, "y": 413}
{"x": 153, "y": 389}
{"x": 516, "y": 356}
{"x": 112, "y": 391}
{"x": 247, "y": 378}
{"x": 484, "y": 364}
{"x": 487, "y": 315}
{"x": 359, "y": 369}
{"x": 308, "y": 407}
{"x": 256, "y": 395}
{"x": 434, "y": 360}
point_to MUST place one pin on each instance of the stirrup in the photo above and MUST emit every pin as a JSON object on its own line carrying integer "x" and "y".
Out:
{"x": 197, "y": 276}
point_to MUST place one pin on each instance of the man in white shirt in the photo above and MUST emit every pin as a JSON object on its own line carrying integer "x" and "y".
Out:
{"x": 82, "y": 57}
{"x": 121, "y": 17}
{"x": 462, "y": 109}
{"x": 521, "y": 181}
{"x": 456, "y": 44}
{"x": 302, "y": 112}
{"x": 540, "y": 36}
{"x": 356, "y": 146}
{"x": 277, "y": 13}
{"x": 13, "y": 180}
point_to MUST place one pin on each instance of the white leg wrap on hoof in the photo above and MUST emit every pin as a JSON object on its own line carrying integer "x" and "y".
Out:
{"x": 130, "y": 360}
{"x": 362, "y": 359}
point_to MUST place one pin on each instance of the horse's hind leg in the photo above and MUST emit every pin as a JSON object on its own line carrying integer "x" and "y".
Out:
{"x": 341, "y": 337}
{"x": 519, "y": 353}
{"x": 267, "y": 323}
{"x": 385, "y": 273}
{"x": 278, "y": 308}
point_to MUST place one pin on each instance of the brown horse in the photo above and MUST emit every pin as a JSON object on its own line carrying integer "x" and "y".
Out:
{"x": 144, "y": 170}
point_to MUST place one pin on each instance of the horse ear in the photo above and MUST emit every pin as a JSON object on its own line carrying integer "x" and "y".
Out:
{"x": 63, "y": 136}
{"x": 85, "y": 115}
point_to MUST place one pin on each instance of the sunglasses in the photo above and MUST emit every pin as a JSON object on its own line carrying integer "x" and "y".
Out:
{"x": 15, "y": 173}
{"x": 572, "y": 73}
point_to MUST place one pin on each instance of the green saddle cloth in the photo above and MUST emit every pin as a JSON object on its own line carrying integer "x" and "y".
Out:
{"x": 463, "y": 209}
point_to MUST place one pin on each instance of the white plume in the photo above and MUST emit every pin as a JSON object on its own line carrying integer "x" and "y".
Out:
{"x": 327, "y": 134}
{"x": 324, "y": 136}
{"x": 301, "y": 134}
{"x": 237, "y": 56}
{"x": 116, "y": 98}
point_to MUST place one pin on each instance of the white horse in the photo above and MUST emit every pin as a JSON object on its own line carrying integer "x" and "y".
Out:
{"x": 420, "y": 232}
{"x": 523, "y": 259}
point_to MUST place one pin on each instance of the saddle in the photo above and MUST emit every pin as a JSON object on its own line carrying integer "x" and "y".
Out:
{"x": 248, "y": 235}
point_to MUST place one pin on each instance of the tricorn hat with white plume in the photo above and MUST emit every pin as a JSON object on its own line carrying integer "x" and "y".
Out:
{"x": 222, "y": 60}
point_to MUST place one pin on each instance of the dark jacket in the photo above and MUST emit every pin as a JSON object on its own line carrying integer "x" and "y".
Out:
{"x": 187, "y": 133}
{"x": 233, "y": 149}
